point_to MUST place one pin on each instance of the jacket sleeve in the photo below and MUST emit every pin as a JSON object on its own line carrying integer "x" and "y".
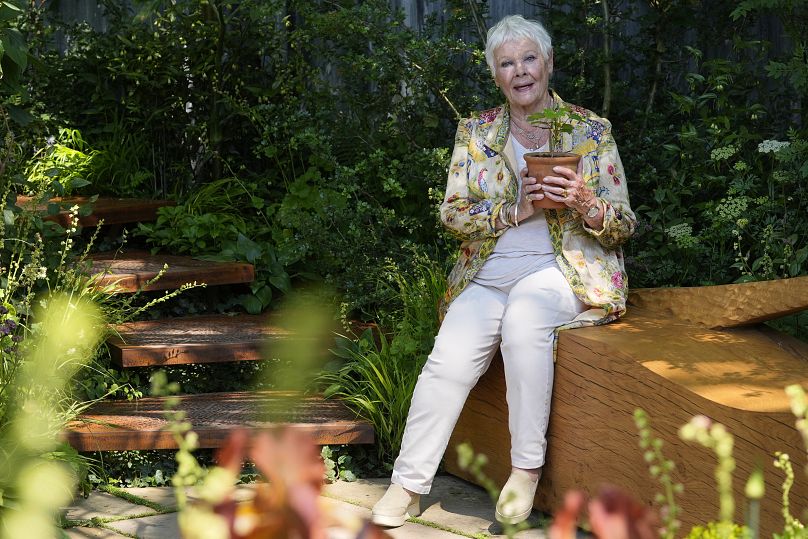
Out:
{"x": 619, "y": 221}
{"x": 467, "y": 215}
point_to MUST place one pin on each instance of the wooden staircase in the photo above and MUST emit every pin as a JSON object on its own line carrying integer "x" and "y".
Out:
{"x": 128, "y": 425}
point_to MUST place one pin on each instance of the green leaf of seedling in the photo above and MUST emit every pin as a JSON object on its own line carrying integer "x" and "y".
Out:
{"x": 8, "y": 217}
{"x": 54, "y": 208}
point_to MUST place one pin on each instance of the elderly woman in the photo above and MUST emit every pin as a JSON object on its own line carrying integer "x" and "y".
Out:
{"x": 521, "y": 274}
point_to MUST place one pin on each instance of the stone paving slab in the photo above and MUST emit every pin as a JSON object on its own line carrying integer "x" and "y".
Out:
{"x": 453, "y": 503}
{"x": 104, "y": 505}
{"x": 92, "y": 533}
{"x": 410, "y": 530}
{"x": 154, "y": 527}
{"x": 164, "y": 496}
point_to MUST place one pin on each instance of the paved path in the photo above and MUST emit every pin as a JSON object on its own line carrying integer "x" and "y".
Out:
{"x": 454, "y": 509}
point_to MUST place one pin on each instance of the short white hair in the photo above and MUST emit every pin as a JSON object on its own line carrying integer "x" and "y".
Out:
{"x": 514, "y": 28}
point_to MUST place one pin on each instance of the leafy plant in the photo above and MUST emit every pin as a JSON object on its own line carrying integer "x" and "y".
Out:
{"x": 337, "y": 465}
{"x": 660, "y": 469}
{"x": 376, "y": 376}
{"x": 14, "y": 51}
{"x": 715, "y": 436}
{"x": 63, "y": 166}
{"x": 39, "y": 472}
{"x": 558, "y": 121}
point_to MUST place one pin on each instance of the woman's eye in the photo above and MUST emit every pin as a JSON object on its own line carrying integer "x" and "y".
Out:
{"x": 505, "y": 63}
{"x": 530, "y": 58}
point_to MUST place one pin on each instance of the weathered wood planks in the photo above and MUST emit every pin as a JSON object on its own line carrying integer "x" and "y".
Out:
{"x": 131, "y": 271}
{"x": 194, "y": 339}
{"x": 110, "y": 211}
{"x": 139, "y": 424}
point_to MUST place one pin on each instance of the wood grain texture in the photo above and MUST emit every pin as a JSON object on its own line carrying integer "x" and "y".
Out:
{"x": 194, "y": 339}
{"x": 727, "y": 306}
{"x": 673, "y": 370}
{"x": 131, "y": 271}
{"x": 139, "y": 424}
{"x": 110, "y": 211}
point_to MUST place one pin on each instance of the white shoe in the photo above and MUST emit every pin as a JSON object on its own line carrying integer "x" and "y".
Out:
{"x": 396, "y": 506}
{"x": 516, "y": 499}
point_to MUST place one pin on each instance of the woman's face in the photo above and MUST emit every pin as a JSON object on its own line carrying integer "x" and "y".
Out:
{"x": 522, "y": 74}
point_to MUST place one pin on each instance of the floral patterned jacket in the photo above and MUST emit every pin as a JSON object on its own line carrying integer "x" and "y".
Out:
{"x": 483, "y": 176}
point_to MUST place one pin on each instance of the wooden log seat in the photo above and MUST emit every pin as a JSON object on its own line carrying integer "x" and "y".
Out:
{"x": 706, "y": 361}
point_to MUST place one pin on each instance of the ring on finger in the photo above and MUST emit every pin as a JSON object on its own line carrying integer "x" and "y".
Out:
{"x": 563, "y": 193}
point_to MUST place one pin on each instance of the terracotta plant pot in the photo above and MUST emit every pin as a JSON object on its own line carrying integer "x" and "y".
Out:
{"x": 540, "y": 164}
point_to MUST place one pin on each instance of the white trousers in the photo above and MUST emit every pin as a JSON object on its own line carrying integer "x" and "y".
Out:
{"x": 520, "y": 320}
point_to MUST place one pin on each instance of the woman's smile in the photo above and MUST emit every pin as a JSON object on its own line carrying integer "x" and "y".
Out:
{"x": 522, "y": 73}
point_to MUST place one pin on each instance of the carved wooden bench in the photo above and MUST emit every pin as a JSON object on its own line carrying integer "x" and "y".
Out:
{"x": 677, "y": 353}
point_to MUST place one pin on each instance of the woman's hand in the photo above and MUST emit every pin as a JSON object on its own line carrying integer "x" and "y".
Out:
{"x": 531, "y": 190}
{"x": 569, "y": 189}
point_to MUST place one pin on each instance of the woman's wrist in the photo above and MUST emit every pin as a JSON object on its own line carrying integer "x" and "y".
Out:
{"x": 593, "y": 212}
{"x": 590, "y": 207}
{"x": 509, "y": 214}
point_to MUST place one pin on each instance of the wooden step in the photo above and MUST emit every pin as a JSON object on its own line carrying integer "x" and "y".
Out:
{"x": 129, "y": 272}
{"x": 130, "y": 425}
{"x": 195, "y": 339}
{"x": 112, "y": 211}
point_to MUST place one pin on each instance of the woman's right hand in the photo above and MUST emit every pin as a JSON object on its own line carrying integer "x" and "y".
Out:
{"x": 531, "y": 190}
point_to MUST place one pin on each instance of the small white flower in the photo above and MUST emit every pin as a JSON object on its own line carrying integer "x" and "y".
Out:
{"x": 772, "y": 146}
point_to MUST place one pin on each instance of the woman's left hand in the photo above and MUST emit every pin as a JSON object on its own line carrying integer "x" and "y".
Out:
{"x": 568, "y": 188}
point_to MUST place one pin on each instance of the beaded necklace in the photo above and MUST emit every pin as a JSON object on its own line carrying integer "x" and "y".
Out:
{"x": 536, "y": 137}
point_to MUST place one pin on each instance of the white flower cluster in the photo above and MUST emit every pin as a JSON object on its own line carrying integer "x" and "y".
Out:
{"x": 772, "y": 146}
{"x": 682, "y": 234}
{"x": 722, "y": 153}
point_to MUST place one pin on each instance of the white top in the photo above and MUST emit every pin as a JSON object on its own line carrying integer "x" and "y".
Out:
{"x": 520, "y": 250}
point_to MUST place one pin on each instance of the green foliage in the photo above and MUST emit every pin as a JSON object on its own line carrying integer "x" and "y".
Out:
{"x": 719, "y": 530}
{"x": 376, "y": 377}
{"x": 63, "y": 166}
{"x": 557, "y": 120}
{"x": 13, "y": 48}
{"x": 715, "y": 436}
{"x": 132, "y": 468}
{"x": 793, "y": 68}
{"x": 338, "y": 464}
{"x": 40, "y": 473}
{"x": 660, "y": 469}
{"x": 377, "y": 385}
{"x": 722, "y": 199}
